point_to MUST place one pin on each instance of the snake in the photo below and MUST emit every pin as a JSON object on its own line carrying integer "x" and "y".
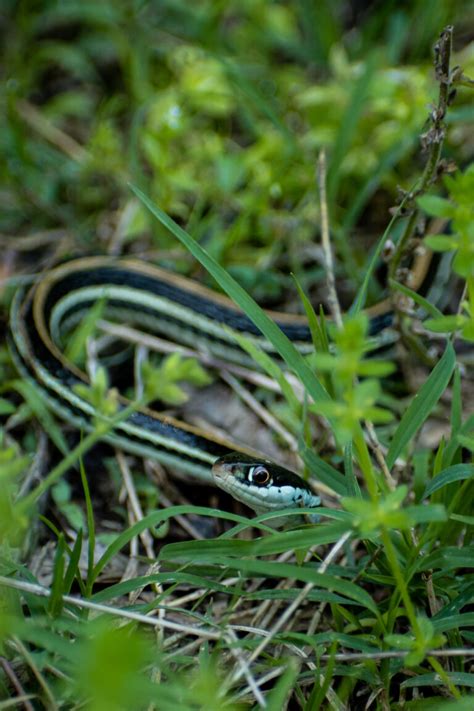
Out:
{"x": 164, "y": 303}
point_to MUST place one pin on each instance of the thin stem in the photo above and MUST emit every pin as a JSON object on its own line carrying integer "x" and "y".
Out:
{"x": 444, "y": 676}
{"x": 400, "y": 580}
{"x": 432, "y": 140}
{"x": 333, "y": 300}
{"x": 365, "y": 464}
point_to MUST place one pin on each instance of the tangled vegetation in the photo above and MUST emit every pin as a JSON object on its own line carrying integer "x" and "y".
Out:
{"x": 290, "y": 153}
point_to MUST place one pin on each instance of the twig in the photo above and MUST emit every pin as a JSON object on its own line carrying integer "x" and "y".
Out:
{"x": 395, "y": 654}
{"x": 20, "y": 647}
{"x": 432, "y": 140}
{"x": 335, "y": 307}
{"x": 377, "y": 450}
{"x": 22, "y": 698}
{"x": 160, "y": 345}
{"x": 135, "y": 505}
{"x": 260, "y": 411}
{"x": 33, "y": 589}
{"x": 245, "y": 667}
{"x": 333, "y": 300}
{"x": 51, "y": 133}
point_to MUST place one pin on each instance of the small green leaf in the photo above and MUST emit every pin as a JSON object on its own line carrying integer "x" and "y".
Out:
{"x": 436, "y": 206}
{"x": 6, "y": 407}
{"x": 440, "y": 243}
{"x": 467, "y": 331}
{"x": 161, "y": 383}
{"x": 445, "y": 324}
{"x": 417, "y": 298}
{"x": 458, "y": 472}
{"x": 466, "y": 441}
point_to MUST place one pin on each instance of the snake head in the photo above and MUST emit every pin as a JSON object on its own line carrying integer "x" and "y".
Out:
{"x": 262, "y": 485}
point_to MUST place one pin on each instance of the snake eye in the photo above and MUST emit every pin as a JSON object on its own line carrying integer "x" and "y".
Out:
{"x": 259, "y": 476}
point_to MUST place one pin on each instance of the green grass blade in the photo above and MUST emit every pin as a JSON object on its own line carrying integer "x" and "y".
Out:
{"x": 279, "y": 570}
{"x": 169, "y": 577}
{"x": 90, "y": 528}
{"x": 417, "y": 298}
{"x": 283, "y": 345}
{"x": 318, "y": 332}
{"x": 55, "y": 602}
{"x": 457, "y": 472}
{"x": 72, "y": 570}
{"x": 320, "y": 534}
{"x": 324, "y": 472}
{"x": 359, "y": 302}
{"x": 153, "y": 520}
{"x": 422, "y": 404}
{"x": 275, "y": 700}
{"x": 348, "y": 124}
{"x": 270, "y": 367}
{"x": 353, "y": 488}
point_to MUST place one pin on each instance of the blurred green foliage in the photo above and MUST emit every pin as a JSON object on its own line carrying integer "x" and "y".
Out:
{"x": 459, "y": 210}
{"x": 218, "y": 110}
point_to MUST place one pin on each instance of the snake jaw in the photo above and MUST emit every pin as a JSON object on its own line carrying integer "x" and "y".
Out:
{"x": 262, "y": 485}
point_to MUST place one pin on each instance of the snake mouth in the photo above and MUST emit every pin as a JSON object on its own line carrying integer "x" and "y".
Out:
{"x": 221, "y": 471}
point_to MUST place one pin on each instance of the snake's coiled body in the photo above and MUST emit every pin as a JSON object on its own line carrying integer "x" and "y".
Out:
{"x": 156, "y": 301}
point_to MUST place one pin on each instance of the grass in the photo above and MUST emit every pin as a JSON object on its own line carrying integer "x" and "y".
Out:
{"x": 145, "y": 600}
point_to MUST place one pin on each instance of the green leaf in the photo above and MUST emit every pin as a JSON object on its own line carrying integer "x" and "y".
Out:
{"x": 263, "y": 568}
{"x": 453, "y": 622}
{"x": 420, "y": 460}
{"x": 75, "y": 350}
{"x": 375, "y": 368}
{"x": 468, "y": 329}
{"x": 417, "y": 298}
{"x": 422, "y": 404}
{"x": 426, "y": 514}
{"x": 318, "y": 331}
{"x": 456, "y": 404}
{"x": 55, "y": 602}
{"x": 353, "y": 488}
{"x": 6, "y": 407}
{"x": 370, "y": 516}
{"x": 436, "y": 206}
{"x": 457, "y": 472}
{"x": 303, "y": 538}
{"x": 448, "y": 558}
{"x": 108, "y": 668}
{"x": 73, "y": 566}
{"x": 152, "y": 520}
{"x": 445, "y": 324}
{"x": 276, "y": 699}
{"x": 440, "y": 243}
{"x": 432, "y": 679}
{"x": 466, "y": 441}
{"x": 468, "y": 520}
